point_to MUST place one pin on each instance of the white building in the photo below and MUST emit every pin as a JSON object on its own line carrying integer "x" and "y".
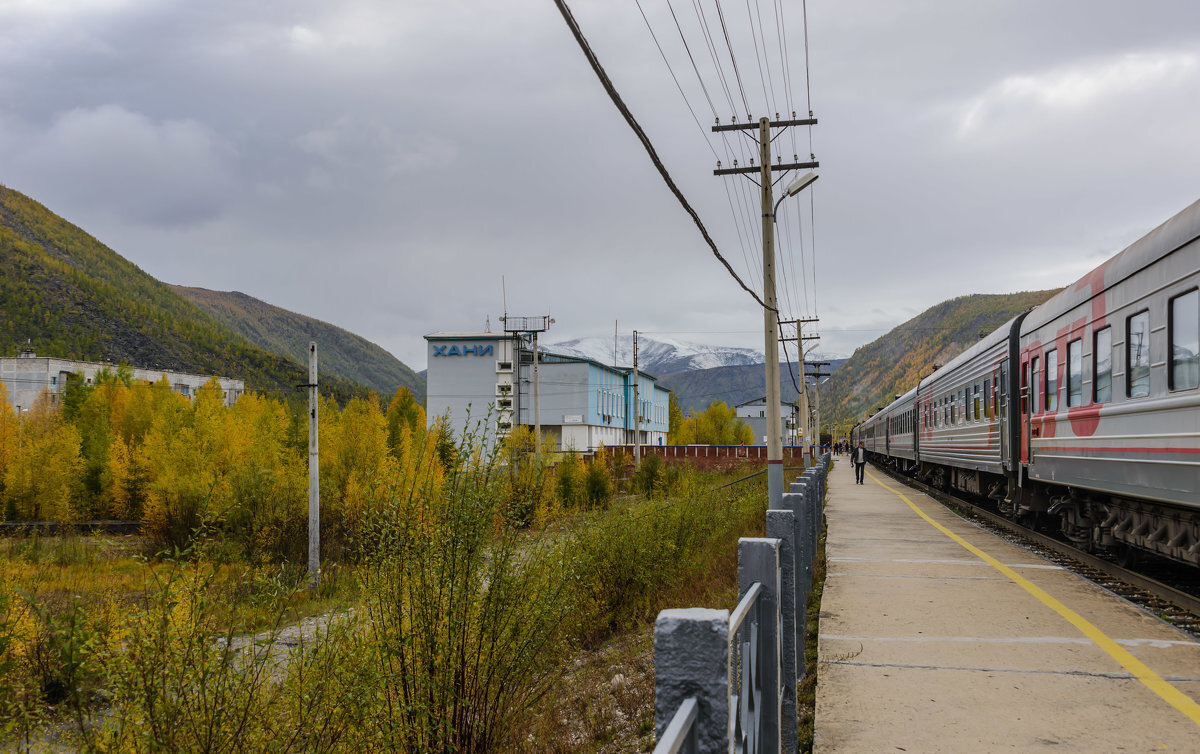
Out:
{"x": 27, "y": 375}
{"x": 754, "y": 413}
{"x": 580, "y": 404}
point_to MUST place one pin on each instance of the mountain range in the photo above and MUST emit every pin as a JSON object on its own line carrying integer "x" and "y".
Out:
{"x": 658, "y": 356}
{"x": 280, "y": 331}
{"x": 63, "y": 293}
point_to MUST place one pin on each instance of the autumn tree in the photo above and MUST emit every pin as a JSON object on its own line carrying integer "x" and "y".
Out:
{"x": 716, "y": 425}
{"x": 404, "y": 411}
{"x": 674, "y": 420}
{"x": 43, "y": 478}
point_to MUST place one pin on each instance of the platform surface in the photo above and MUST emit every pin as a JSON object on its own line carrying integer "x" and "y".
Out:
{"x": 928, "y": 646}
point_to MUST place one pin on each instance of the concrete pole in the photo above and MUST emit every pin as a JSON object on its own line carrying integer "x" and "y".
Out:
{"x": 637, "y": 409}
{"x": 770, "y": 325}
{"x": 537, "y": 409}
{"x": 314, "y": 475}
{"x": 817, "y": 395}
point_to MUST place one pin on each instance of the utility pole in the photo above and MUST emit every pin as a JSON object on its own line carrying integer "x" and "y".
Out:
{"x": 802, "y": 398}
{"x": 771, "y": 311}
{"x": 537, "y": 406}
{"x": 770, "y": 322}
{"x": 314, "y": 475}
{"x": 637, "y": 409}
{"x": 817, "y": 374}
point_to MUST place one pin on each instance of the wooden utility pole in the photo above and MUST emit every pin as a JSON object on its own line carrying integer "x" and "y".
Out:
{"x": 770, "y": 322}
{"x": 771, "y": 310}
{"x": 314, "y": 475}
{"x": 817, "y": 374}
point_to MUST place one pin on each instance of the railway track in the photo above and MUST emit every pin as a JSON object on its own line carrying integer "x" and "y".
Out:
{"x": 1174, "y": 605}
{"x": 21, "y": 528}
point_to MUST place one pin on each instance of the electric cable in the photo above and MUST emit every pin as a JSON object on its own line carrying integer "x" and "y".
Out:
{"x": 637, "y": 129}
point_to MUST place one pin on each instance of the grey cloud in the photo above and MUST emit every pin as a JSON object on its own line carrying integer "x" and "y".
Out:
{"x": 381, "y": 165}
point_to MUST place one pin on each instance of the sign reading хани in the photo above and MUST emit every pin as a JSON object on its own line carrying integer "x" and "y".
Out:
{"x": 477, "y": 350}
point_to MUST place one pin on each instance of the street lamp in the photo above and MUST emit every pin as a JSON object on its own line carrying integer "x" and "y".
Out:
{"x": 795, "y": 187}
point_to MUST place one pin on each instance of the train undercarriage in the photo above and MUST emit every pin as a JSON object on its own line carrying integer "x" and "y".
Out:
{"x": 1096, "y": 522}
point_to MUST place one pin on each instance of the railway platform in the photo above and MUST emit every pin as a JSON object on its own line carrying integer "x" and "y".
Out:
{"x": 937, "y": 636}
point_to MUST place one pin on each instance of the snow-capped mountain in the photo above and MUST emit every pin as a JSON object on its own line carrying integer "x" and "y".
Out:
{"x": 658, "y": 356}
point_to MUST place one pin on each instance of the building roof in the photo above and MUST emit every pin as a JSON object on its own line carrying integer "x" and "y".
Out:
{"x": 559, "y": 357}
{"x": 467, "y": 336}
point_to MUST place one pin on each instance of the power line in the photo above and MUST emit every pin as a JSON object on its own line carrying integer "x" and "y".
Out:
{"x": 732, "y": 59}
{"x": 676, "y": 79}
{"x": 637, "y": 129}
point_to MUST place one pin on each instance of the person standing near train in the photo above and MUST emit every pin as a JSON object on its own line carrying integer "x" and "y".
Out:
{"x": 859, "y": 456}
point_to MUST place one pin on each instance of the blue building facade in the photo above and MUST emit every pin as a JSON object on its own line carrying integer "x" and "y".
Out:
{"x": 580, "y": 404}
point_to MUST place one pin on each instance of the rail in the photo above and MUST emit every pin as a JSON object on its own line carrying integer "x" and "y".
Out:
{"x": 726, "y": 681}
{"x": 680, "y": 735}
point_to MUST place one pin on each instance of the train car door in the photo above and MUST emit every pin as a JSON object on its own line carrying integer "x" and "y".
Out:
{"x": 1002, "y": 415}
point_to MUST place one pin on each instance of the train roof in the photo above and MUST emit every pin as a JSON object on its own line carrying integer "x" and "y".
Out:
{"x": 1173, "y": 234}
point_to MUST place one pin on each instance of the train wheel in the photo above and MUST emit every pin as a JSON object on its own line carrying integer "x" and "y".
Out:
{"x": 1127, "y": 557}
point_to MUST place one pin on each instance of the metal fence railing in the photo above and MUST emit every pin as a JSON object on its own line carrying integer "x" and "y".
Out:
{"x": 726, "y": 682}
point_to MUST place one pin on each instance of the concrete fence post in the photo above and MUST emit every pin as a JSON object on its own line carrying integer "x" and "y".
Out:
{"x": 781, "y": 526}
{"x": 795, "y": 501}
{"x": 691, "y": 659}
{"x": 758, "y": 562}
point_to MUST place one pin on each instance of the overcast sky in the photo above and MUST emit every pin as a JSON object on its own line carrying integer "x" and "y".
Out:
{"x": 381, "y": 164}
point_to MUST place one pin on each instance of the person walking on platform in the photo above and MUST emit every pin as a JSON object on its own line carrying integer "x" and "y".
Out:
{"x": 860, "y": 462}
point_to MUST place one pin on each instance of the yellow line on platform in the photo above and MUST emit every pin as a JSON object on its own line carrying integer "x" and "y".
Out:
{"x": 1148, "y": 677}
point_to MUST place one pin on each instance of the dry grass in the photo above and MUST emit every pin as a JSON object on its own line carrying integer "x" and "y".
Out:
{"x": 60, "y": 572}
{"x": 604, "y": 700}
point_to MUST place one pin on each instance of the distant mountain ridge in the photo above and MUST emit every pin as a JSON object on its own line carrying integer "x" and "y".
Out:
{"x": 734, "y": 385}
{"x": 66, "y": 294}
{"x": 893, "y": 363}
{"x": 658, "y": 356}
{"x": 284, "y": 332}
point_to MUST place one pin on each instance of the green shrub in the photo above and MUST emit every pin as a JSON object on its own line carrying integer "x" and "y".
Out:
{"x": 597, "y": 486}
{"x": 569, "y": 480}
{"x": 648, "y": 475}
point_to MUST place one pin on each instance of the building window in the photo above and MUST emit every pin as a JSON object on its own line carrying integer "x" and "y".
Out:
{"x": 1052, "y": 380}
{"x": 1185, "y": 341}
{"x": 53, "y": 379}
{"x": 1137, "y": 356}
{"x": 1102, "y": 366}
{"x": 1075, "y": 373}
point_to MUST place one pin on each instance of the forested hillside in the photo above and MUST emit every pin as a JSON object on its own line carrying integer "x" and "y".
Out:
{"x": 278, "y": 330}
{"x": 67, "y": 295}
{"x": 892, "y": 364}
{"x": 698, "y": 388}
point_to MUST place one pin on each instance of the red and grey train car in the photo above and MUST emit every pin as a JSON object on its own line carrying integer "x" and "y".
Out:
{"x": 1085, "y": 409}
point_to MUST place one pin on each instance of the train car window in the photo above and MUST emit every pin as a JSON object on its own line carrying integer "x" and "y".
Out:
{"x": 1035, "y": 405}
{"x": 1137, "y": 355}
{"x": 1102, "y": 366}
{"x": 1184, "y": 329}
{"x": 1075, "y": 373}
{"x": 1052, "y": 380}
{"x": 987, "y": 399}
{"x": 1025, "y": 383}
{"x": 978, "y": 403}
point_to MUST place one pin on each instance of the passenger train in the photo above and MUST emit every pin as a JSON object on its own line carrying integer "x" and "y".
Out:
{"x": 1083, "y": 412}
